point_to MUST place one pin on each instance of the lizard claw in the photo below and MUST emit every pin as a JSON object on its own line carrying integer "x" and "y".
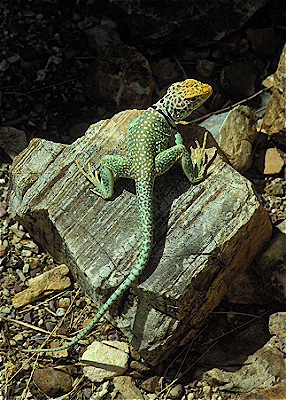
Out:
{"x": 198, "y": 158}
{"x": 198, "y": 153}
{"x": 95, "y": 179}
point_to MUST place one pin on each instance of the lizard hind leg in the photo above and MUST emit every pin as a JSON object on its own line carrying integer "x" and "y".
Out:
{"x": 103, "y": 180}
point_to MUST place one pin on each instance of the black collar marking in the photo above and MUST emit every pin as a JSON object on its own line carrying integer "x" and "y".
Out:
{"x": 167, "y": 117}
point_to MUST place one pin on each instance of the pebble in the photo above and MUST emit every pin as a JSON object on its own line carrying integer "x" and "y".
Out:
{"x": 273, "y": 163}
{"x": 152, "y": 396}
{"x": 18, "y": 337}
{"x": 275, "y": 187}
{"x": 26, "y": 253}
{"x": 207, "y": 392}
{"x": 52, "y": 381}
{"x": 151, "y": 384}
{"x": 60, "y": 312}
{"x": 27, "y": 317}
{"x": 26, "y": 268}
{"x": 127, "y": 388}
{"x": 134, "y": 353}
{"x": 21, "y": 275}
{"x": 101, "y": 391}
{"x": 64, "y": 303}
{"x": 2, "y": 250}
{"x": 136, "y": 375}
{"x": 139, "y": 367}
{"x": 5, "y": 292}
{"x": 31, "y": 246}
{"x": 6, "y": 310}
{"x": 49, "y": 326}
{"x": 176, "y": 392}
{"x": 3, "y": 207}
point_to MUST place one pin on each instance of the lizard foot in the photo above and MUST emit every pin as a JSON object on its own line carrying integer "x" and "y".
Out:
{"x": 95, "y": 180}
{"x": 199, "y": 159}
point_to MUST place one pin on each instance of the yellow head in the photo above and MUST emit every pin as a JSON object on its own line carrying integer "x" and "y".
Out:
{"x": 183, "y": 97}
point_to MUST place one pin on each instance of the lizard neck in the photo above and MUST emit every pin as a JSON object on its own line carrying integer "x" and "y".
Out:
{"x": 170, "y": 121}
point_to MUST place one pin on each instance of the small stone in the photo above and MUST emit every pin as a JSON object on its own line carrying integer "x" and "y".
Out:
{"x": 126, "y": 386}
{"x": 207, "y": 392}
{"x": 109, "y": 359}
{"x": 64, "y": 303}
{"x": 49, "y": 326}
{"x": 14, "y": 58}
{"x": 60, "y": 312}
{"x": 87, "y": 392}
{"x": 134, "y": 353}
{"x": 52, "y": 381}
{"x": 21, "y": 275}
{"x": 277, "y": 325}
{"x": 27, "y": 317}
{"x": 26, "y": 268}
{"x": 6, "y": 310}
{"x": 275, "y": 188}
{"x": 140, "y": 367}
{"x": 5, "y": 292}
{"x": 136, "y": 375}
{"x": 100, "y": 392}
{"x": 151, "y": 396}
{"x": 3, "y": 207}
{"x": 176, "y": 392}
{"x": 190, "y": 396}
{"x": 273, "y": 162}
{"x": 18, "y": 288}
{"x": 30, "y": 245}
{"x": 2, "y": 250}
{"x": 151, "y": 384}
{"x": 26, "y": 253}
{"x": 18, "y": 337}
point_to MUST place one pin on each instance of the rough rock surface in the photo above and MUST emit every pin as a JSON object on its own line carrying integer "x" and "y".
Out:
{"x": 274, "y": 121}
{"x": 237, "y": 135}
{"x": 126, "y": 386}
{"x": 121, "y": 78}
{"x": 265, "y": 279}
{"x": 204, "y": 235}
{"x": 260, "y": 370}
{"x": 105, "y": 360}
{"x": 52, "y": 381}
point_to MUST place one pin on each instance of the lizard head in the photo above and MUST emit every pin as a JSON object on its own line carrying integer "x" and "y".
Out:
{"x": 183, "y": 97}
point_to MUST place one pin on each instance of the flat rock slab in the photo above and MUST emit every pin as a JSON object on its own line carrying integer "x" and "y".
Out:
{"x": 204, "y": 234}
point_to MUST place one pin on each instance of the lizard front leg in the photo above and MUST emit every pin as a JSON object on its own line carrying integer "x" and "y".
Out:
{"x": 103, "y": 180}
{"x": 193, "y": 166}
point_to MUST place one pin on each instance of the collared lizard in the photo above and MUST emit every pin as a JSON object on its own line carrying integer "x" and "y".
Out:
{"x": 149, "y": 156}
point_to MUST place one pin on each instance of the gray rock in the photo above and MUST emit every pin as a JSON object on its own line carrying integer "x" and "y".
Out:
{"x": 106, "y": 360}
{"x": 204, "y": 234}
{"x": 260, "y": 370}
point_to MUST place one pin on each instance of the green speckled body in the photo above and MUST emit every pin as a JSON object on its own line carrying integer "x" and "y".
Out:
{"x": 148, "y": 156}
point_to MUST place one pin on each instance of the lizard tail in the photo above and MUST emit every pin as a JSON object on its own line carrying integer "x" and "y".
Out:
{"x": 144, "y": 192}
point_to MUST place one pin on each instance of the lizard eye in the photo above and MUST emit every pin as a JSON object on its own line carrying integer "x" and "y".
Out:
{"x": 194, "y": 99}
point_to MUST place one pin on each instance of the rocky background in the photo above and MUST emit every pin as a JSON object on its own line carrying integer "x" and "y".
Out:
{"x": 66, "y": 65}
